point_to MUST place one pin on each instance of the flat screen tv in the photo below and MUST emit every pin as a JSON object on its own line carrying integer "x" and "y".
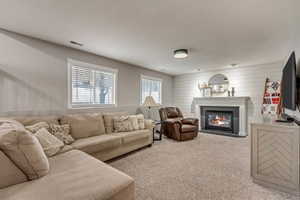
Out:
{"x": 289, "y": 84}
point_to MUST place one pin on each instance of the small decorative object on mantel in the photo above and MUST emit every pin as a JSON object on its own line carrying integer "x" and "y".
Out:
{"x": 228, "y": 93}
{"x": 232, "y": 91}
{"x": 204, "y": 89}
{"x": 271, "y": 98}
{"x": 202, "y": 85}
{"x": 207, "y": 92}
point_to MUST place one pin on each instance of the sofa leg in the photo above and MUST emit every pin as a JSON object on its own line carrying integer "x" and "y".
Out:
{"x": 149, "y": 145}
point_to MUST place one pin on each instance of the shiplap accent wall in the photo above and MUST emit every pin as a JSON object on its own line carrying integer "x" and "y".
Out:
{"x": 248, "y": 81}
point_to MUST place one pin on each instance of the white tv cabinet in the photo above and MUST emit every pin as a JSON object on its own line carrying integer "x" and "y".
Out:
{"x": 275, "y": 156}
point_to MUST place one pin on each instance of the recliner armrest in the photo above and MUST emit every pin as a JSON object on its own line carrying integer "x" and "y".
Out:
{"x": 191, "y": 121}
{"x": 173, "y": 128}
{"x": 173, "y": 122}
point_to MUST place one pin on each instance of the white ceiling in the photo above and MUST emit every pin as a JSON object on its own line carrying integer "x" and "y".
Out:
{"x": 145, "y": 32}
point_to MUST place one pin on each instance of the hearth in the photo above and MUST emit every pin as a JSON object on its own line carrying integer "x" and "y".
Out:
{"x": 220, "y": 120}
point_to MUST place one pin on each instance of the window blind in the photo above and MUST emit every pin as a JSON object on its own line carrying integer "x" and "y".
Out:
{"x": 91, "y": 87}
{"x": 151, "y": 87}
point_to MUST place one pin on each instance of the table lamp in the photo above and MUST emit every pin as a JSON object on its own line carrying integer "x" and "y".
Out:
{"x": 150, "y": 102}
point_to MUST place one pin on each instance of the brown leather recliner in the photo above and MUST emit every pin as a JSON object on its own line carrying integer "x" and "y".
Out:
{"x": 175, "y": 126}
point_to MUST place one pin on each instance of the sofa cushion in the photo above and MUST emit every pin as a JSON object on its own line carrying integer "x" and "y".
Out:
{"x": 132, "y": 136}
{"x": 31, "y": 120}
{"x": 10, "y": 174}
{"x": 109, "y": 120}
{"x": 149, "y": 124}
{"x": 97, "y": 143}
{"x": 188, "y": 128}
{"x": 141, "y": 121}
{"x": 74, "y": 175}
{"x": 51, "y": 145}
{"x": 65, "y": 149}
{"x": 24, "y": 149}
{"x": 84, "y": 125}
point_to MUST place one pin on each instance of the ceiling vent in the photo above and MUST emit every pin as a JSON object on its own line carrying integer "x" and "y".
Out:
{"x": 76, "y": 43}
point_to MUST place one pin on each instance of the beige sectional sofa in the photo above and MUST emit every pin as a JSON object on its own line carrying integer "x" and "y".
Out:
{"x": 77, "y": 172}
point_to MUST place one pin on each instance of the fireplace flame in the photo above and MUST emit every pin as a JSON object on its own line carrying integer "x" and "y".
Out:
{"x": 219, "y": 120}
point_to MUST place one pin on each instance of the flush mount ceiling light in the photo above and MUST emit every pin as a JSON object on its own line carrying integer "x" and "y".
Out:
{"x": 180, "y": 53}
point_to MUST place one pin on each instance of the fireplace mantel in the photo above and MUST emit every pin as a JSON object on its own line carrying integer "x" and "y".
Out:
{"x": 241, "y": 102}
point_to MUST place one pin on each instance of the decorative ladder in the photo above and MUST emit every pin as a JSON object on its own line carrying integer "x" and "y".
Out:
{"x": 271, "y": 98}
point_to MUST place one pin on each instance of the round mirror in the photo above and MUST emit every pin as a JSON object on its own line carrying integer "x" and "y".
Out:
{"x": 219, "y": 83}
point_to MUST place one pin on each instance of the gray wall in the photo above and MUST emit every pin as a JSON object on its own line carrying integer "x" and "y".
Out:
{"x": 248, "y": 81}
{"x": 33, "y": 77}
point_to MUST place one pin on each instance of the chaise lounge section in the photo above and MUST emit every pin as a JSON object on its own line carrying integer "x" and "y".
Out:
{"x": 73, "y": 175}
{"x": 78, "y": 172}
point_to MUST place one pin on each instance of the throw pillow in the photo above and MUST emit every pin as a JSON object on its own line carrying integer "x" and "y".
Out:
{"x": 134, "y": 122}
{"x": 141, "y": 121}
{"x": 51, "y": 145}
{"x": 62, "y": 132}
{"x": 122, "y": 124}
{"x": 24, "y": 149}
{"x": 109, "y": 120}
{"x": 35, "y": 127}
{"x": 10, "y": 124}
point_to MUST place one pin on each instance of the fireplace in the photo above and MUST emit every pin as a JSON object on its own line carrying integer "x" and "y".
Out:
{"x": 220, "y": 120}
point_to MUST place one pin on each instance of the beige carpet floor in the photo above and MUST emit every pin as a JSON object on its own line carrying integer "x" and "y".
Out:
{"x": 210, "y": 167}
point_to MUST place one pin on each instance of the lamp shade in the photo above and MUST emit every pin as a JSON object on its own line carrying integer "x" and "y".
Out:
{"x": 150, "y": 102}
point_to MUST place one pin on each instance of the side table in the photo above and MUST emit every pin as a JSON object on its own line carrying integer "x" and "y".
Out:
{"x": 156, "y": 123}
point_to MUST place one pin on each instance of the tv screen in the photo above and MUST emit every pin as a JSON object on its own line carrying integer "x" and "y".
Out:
{"x": 289, "y": 84}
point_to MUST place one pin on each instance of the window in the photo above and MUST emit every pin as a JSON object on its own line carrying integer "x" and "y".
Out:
{"x": 91, "y": 85}
{"x": 151, "y": 87}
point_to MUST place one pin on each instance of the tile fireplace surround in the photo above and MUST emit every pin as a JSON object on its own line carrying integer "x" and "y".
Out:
{"x": 240, "y": 102}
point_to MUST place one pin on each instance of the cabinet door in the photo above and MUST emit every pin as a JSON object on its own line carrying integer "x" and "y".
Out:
{"x": 275, "y": 155}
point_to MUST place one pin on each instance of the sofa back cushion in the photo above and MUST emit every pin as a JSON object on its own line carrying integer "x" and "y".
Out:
{"x": 24, "y": 149}
{"x": 10, "y": 174}
{"x": 172, "y": 112}
{"x": 30, "y": 120}
{"x": 84, "y": 125}
{"x": 109, "y": 120}
{"x": 169, "y": 113}
{"x": 134, "y": 122}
